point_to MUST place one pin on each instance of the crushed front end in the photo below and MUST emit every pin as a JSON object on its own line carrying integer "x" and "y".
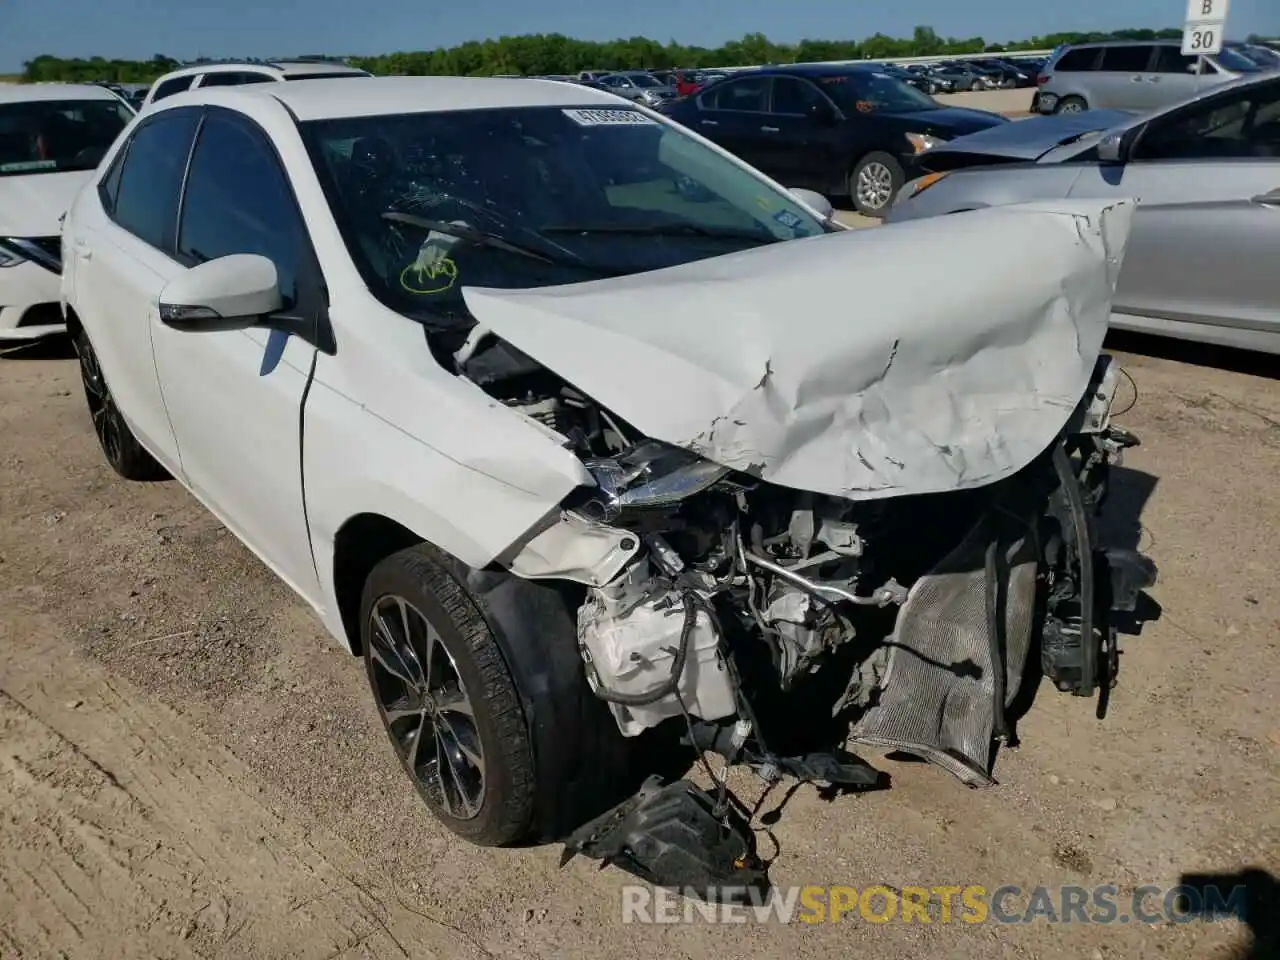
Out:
{"x": 767, "y": 623}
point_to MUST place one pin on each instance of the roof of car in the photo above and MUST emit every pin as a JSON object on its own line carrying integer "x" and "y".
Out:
{"x": 382, "y": 96}
{"x": 27, "y": 92}
{"x": 287, "y": 68}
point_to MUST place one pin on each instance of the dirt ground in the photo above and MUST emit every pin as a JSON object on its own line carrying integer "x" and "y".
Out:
{"x": 189, "y": 767}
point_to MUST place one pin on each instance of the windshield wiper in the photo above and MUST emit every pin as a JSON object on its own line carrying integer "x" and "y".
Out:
{"x": 471, "y": 235}
{"x": 672, "y": 229}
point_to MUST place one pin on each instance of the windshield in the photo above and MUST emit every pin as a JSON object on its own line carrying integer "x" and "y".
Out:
{"x": 532, "y": 196}
{"x": 872, "y": 91}
{"x": 1264, "y": 57}
{"x": 642, "y": 79}
{"x": 48, "y": 136}
{"x": 1230, "y": 59}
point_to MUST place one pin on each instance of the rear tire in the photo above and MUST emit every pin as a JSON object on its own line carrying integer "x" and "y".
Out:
{"x": 124, "y": 453}
{"x": 874, "y": 182}
{"x": 1071, "y": 104}
{"x": 512, "y": 720}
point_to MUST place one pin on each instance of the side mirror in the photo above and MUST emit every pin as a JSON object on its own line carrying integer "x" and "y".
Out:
{"x": 229, "y": 293}
{"x": 1113, "y": 148}
{"x": 815, "y": 201}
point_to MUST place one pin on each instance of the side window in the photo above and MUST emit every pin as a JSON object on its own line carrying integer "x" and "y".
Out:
{"x": 146, "y": 202}
{"x": 792, "y": 95}
{"x": 1169, "y": 59}
{"x": 1126, "y": 59}
{"x": 1242, "y": 125}
{"x": 109, "y": 186}
{"x": 238, "y": 201}
{"x": 747, "y": 95}
{"x": 1075, "y": 61}
{"x": 173, "y": 85}
{"x": 232, "y": 78}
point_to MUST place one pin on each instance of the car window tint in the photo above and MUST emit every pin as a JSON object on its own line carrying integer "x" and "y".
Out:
{"x": 1126, "y": 59}
{"x": 1169, "y": 59}
{"x": 147, "y": 198}
{"x": 745, "y": 94}
{"x": 109, "y": 187}
{"x": 173, "y": 85}
{"x": 794, "y": 96}
{"x": 232, "y": 79}
{"x": 1076, "y": 60}
{"x": 1243, "y": 125}
{"x": 238, "y": 201}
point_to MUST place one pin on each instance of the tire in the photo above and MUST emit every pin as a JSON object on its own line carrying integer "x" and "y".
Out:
{"x": 874, "y": 182}
{"x": 1071, "y": 104}
{"x": 533, "y": 753}
{"x": 124, "y": 453}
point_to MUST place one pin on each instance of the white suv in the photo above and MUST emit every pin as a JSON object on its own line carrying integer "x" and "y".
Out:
{"x": 52, "y": 136}
{"x": 236, "y": 73}
{"x": 563, "y": 419}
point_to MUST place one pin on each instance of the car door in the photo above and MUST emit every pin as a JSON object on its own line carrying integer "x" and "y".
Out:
{"x": 798, "y": 146}
{"x": 1173, "y": 76}
{"x": 1123, "y": 79}
{"x": 121, "y": 234}
{"x": 234, "y": 396}
{"x": 733, "y": 114}
{"x": 1206, "y": 235}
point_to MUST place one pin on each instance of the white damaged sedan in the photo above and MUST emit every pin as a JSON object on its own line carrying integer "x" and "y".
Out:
{"x": 587, "y": 436}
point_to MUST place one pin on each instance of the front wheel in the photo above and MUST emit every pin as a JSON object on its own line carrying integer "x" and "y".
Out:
{"x": 124, "y": 453}
{"x": 874, "y": 183}
{"x": 481, "y": 689}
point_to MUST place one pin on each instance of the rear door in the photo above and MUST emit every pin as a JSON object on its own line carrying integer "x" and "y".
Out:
{"x": 1206, "y": 236}
{"x": 1123, "y": 80}
{"x": 733, "y": 114}
{"x": 123, "y": 233}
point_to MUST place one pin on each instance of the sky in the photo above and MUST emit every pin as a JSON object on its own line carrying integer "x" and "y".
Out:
{"x": 186, "y": 29}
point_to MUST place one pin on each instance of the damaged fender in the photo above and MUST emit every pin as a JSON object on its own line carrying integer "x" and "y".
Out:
{"x": 863, "y": 364}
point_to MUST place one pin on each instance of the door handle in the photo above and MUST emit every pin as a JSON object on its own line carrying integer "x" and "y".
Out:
{"x": 768, "y": 129}
{"x": 709, "y": 123}
{"x": 82, "y": 249}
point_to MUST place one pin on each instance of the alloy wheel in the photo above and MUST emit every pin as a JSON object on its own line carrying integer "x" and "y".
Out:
{"x": 102, "y": 408}
{"x": 875, "y": 185}
{"x": 426, "y": 708}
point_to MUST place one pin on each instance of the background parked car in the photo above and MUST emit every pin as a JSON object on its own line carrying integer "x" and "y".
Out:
{"x": 637, "y": 85}
{"x": 961, "y": 77}
{"x": 1122, "y": 75}
{"x": 52, "y": 136}
{"x": 840, "y": 131}
{"x": 238, "y": 73}
{"x": 1206, "y": 235}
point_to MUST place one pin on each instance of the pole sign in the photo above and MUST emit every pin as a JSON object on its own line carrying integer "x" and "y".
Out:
{"x": 1205, "y": 24}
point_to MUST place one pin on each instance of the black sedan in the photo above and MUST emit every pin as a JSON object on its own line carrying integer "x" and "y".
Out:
{"x": 842, "y": 131}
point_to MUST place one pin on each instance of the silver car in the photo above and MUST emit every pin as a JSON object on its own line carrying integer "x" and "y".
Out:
{"x": 1122, "y": 75}
{"x": 1205, "y": 244}
{"x": 637, "y": 85}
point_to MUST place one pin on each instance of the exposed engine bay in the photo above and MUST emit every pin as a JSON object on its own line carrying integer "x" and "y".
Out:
{"x": 731, "y": 591}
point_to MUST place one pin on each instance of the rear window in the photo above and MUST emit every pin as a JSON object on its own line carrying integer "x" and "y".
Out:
{"x": 323, "y": 76}
{"x": 173, "y": 85}
{"x": 1076, "y": 60}
{"x": 1126, "y": 59}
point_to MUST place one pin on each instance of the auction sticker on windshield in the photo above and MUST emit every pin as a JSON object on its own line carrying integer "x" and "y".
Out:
{"x": 605, "y": 118}
{"x": 25, "y": 166}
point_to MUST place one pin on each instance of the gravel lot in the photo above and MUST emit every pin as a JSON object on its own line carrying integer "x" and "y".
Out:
{"x": 189, "y": 768}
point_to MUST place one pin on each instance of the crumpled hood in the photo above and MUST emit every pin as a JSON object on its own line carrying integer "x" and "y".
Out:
{"x": 30, "y": 204}
{"x": 899, "y": 360}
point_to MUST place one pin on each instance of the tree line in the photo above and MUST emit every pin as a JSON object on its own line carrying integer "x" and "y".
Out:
{"x": 557, "y": 54}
